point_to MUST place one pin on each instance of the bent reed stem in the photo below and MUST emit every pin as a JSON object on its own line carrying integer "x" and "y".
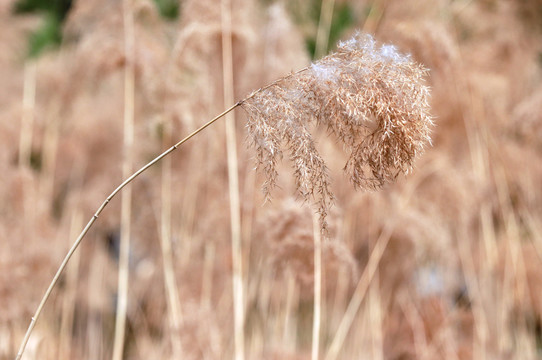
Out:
{"x": 115, "y": 192}
{"x": 95, "y": 217}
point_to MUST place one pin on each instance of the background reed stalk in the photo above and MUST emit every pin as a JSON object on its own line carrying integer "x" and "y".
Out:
{"x": 170, "y": 282}
{"x": 359, "y": 293}
{"x": 317, "y": 310}
{"x": 233, "y": 184}
{"x": 68, "y": 303}
{"x": 324, "y": 27}
{"x": 126, "y": 199}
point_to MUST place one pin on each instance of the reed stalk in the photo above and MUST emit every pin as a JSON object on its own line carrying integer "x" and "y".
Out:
{"x": 126, "y": 199}
{"x": 233, "y": 185}
{"x": 172, "y": 292}
{"x": 317, "y": 311}
{"x": 359, "y": 293}
{"x": 68, "y": 304}
{"x": 324, "y": 27}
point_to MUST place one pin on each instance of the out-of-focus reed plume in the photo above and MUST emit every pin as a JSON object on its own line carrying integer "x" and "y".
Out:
{"x": 291, "y": 246}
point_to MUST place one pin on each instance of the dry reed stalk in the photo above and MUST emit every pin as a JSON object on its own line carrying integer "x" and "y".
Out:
{"x": 172, "y": 292}
{"x": 360, "y": 291}
{"x": 189, "y": 210}
{"x": 95, "y": 217}
{"x": 324, "y": 27}
{"x": 247, "y": 216}
{"x": 68, "y": 303}
{"x": 514, "y": 288}
{"x": 126, "y": 199}
{"x": 374, "y": 17}
{"x": 265, "y": 291}
{"x": 322, "y": 41}
{"x": 512, "y": 231}
{"x": 317, "y": 310}
{"x": 416, "y": 325}
{"x": 233, "y": 184}
{"x": 93, "y": 341}
{"x": 27, "y": 121}
{"x": 371, "y": 97}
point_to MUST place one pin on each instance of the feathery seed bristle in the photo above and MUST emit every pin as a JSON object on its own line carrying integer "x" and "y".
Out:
{"x": 372, "y": 98}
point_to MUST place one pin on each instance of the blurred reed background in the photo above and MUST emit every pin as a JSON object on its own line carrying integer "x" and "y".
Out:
{"x": 444, "y": 264}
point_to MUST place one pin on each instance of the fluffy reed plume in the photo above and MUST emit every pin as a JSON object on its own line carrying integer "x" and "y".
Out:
{"x": 372, "y": 98}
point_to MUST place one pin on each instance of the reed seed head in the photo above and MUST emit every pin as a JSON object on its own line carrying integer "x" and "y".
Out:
{"x": 369, "y": 96}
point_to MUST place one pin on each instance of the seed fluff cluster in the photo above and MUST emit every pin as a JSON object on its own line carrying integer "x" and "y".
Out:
{"x": 369, "y": 96}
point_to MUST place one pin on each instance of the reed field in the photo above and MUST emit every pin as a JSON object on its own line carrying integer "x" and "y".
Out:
{"x": 367, "y": 185}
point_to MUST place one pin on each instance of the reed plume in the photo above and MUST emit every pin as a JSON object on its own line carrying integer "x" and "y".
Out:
{"x": 369, "y": 96}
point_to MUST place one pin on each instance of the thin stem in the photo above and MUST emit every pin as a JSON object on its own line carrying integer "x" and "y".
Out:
{"x": 376, "y": 12}
{"x": 95, "y": 217}
{"x": 113, "y": 194}
{"x": 359, "y": 293}
{"x": 233, "y": 185}
{"x": 172, "y": 292}
{"x": 324, "y": 26}
{"x": 126, "y": 199}
{"x": 317, "y": 311}
{"x": 68, "y": 305}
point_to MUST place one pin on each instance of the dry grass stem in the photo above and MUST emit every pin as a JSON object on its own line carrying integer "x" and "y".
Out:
{"x": 68, "y": 305}
{"x": 91, "y": 222}
{"x": 126, "y": 199}
{"x": 233, "y": 184}
{"x": 172, "y": 292}
{"x": 324, "y": 27}
{"x": 317, "y": 310}
{"x": 359, "y": 293}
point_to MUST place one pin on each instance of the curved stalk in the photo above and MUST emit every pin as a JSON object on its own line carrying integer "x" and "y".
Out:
{"x": 112, "y": 195}
{"x": 95, "y": 217}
